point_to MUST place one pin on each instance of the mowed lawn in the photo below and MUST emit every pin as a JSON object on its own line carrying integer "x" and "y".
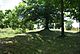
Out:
{"x": 41, "y": 42}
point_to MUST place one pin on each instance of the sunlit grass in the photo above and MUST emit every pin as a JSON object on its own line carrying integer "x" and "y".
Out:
{"x": 8, "y": 32}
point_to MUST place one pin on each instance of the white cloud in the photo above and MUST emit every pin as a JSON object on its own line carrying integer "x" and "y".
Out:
{"x": 8, "y": 4}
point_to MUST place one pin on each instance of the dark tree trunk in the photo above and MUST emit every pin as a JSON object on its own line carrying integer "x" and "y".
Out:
{"x": 79, "y": 16}
{"x": 46, "y": 23}
{"x": 47, "y": 15}
{"x": 62, "y": 18}
{"x": 79, "y": 26}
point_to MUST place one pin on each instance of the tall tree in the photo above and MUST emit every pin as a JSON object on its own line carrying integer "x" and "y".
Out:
{"x": 47, "y": 13}
{"x": 62, "y": 18}
{"x": 78, "y": 2}
{"x": 43, "y": 8}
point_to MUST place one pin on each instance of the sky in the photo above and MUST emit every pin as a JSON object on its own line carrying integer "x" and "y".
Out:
{"x": 8, "y": 4}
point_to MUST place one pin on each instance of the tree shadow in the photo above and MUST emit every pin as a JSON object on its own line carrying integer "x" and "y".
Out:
{"x": 42, "y": 42}
{"x": 72, "y": 34}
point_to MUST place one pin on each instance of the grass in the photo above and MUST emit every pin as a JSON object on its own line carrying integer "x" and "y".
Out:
{"x": 41, "y": 42}
{"x": 7, "y": 32}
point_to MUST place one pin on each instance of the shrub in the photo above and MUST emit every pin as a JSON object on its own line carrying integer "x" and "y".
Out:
{"x": 68, "y": 25}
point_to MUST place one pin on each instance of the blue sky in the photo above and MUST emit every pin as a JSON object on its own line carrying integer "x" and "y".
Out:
{"x": 8, "y": 4}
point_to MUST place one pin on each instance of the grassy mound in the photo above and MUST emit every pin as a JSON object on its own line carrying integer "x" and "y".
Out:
{"x": 43, "y": 42}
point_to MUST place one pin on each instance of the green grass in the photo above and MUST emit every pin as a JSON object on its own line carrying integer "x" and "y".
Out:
{"x": 43, "y": 42}
{"x": 8, "y": 32}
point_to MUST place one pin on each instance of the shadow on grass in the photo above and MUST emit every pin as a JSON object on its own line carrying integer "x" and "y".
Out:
{"x": 42, "y": 42}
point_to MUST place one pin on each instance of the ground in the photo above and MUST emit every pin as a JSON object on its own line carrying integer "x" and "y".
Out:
{"x": 41, "y": 42}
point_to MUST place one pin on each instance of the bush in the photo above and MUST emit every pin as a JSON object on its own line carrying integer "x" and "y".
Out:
{"x": 68, "y": 25}
{"x": 58, "y": 25}
{"x": 30, "y": 25}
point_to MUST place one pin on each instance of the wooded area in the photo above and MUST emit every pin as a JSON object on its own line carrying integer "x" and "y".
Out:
{"x": 18, "y": 27}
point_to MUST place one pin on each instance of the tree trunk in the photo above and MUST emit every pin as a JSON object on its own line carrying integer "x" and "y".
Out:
{"x": 46, "y": 23}
{"x": 79, "y": 16}
{"x": 62, "y": 18}
{"x": 79, "y": 25}
{"x": 46, "y": 16}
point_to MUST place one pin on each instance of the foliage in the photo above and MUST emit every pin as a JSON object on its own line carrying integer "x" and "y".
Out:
{"x": 32, "y": 10}
{"x": 68, "y": 25}
{"x": 1, "y": 17}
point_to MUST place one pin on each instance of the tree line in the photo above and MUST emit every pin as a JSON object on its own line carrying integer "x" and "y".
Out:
{"x": 29, "y": 11}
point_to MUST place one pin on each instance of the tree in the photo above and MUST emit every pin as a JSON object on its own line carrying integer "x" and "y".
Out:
{"x": 1, "y": 19}
{"x": 11, "y": 19}
{"x": 62, "y": 18}
{"x": 78, "y": 2}
{"x": 44, "y": 9}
